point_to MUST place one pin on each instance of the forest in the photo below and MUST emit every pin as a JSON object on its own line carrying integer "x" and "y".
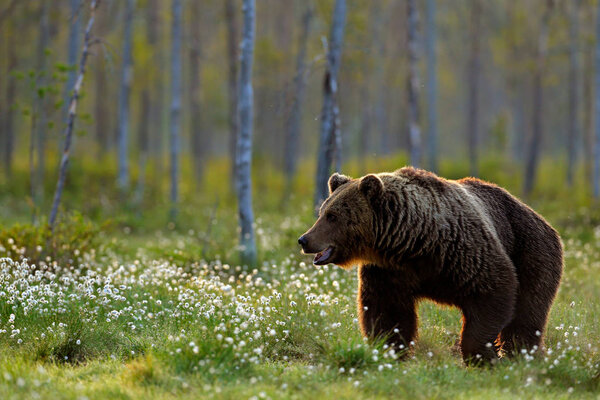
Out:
{"x": 160, "y": 159}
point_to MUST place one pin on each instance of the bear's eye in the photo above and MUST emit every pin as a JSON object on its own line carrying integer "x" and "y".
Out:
{"x": 330, "y": 217}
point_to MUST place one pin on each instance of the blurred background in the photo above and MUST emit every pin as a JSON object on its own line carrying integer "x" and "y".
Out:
{"x": 503, "y": 90}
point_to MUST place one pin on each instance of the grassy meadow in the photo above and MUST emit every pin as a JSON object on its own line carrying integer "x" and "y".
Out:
{"x": 120, "y": 303}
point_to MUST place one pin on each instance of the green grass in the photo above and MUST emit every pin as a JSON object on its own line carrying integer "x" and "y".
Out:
{"x": 123, "y": 304}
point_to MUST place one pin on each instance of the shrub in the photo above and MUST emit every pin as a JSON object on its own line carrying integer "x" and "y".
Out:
{"x": 73, "y": 238}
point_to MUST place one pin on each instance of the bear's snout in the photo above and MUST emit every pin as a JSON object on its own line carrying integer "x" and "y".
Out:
{"x": 302, "y": 241}
{"x": 309, "y": 244}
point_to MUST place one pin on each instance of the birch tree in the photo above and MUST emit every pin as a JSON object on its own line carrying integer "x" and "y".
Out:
{"x": 329, "y": 140}
{"x": 232, "y": 77}
{"x": 535, "y": 139}
{"x": 243, "y": 160}
{"x": 414, "y": 130}
{"x": 126, "y": 78}
{"x": 64, "y": 162}
{"x": 596, "y": 169}
{"x": 175, "y": 102}
{"x": 194, "y": 56}
{"x": 294, "y": 122}
{"x": 473, "y": 71}
{"x": 573, "y": 92}
{"x": 432, "y": 85}
{"x": 73, "y": 48}
{"x": 102, "y": 116}
{"x": 588, "y": 106}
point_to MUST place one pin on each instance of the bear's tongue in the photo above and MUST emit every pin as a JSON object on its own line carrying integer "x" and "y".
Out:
{"x": 322, "y": 256}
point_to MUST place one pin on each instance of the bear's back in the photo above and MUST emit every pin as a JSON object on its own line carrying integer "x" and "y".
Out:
{"x": 514, "y": 221}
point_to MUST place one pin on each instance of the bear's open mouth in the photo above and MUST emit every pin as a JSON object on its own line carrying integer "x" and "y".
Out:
{"x": 322, "y": 256}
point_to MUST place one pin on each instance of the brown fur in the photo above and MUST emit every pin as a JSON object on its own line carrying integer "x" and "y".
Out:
{"x": 466, "y": 243}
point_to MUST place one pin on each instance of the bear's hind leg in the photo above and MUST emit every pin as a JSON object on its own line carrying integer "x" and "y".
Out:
{"x": 483, "y": 320}
{"x": 538, "y": 283}
{"x": 384, "y": 308}
{"x": 526, "y": 328}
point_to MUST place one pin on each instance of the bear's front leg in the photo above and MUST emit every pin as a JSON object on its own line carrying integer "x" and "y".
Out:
{"x": 385, "y": 309}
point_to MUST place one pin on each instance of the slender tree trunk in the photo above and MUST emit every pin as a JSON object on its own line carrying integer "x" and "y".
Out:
{"x": 73, "y": 50}
{"x": 295, "y": 117}
{"x": 244, "y": 141}
{"x": 432, "y": 86}
{"x": 11, "y": 91}
{"x": 329, "y": 123}
{"x": 596, "y": 170}
{"x": 473, "y": 82}
{"x": 62, "y": 172}
{"x": 588, "y": 111}
{"x": 517, "y": 103}
{"x": 158, "y": 86}
{"x": 232, "y": 60}
{"x": 535, "y": 140}
{"x": 41, "y": 117}
{"x": 126, "y": 78}
{"x": 198, "y": 140}
{"x": 175, "y": 102}
{"x": 573, "y": 118}
{"x": 414, "y": 130}
{"x": 101, "y": 116}
{"x": 143, "y": 138}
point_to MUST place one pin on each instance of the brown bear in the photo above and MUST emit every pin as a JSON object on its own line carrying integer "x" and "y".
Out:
{"x": 465, "y": 243}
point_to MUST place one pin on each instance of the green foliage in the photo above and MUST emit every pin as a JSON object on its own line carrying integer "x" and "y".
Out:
{"x": 74, "y": 238}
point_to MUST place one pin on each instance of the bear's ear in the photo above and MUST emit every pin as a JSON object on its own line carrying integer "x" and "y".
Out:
{"x": 336, "y": 180}
{"x": 371, "y": 186}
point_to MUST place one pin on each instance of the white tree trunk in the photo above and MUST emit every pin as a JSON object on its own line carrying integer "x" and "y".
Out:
{"x": 126, "y": 75}
{"x": 198, "y": 138}
{"x": 473, "y": 70}
{"x": 414, "y": 130}
{"x": 432, "y": 86}
{"x": 64, "y": 162}
{"x": 573, "y": 118}
{"x": 175, "y": 102}
{"x": 73, "y": 49}
{"x": 243, "y": 159}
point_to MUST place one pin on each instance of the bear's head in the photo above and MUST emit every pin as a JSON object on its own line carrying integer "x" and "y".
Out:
{"x": 343, "y": 232}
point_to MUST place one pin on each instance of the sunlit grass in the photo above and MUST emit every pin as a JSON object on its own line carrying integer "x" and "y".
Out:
{"x": 156, "y": 310}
